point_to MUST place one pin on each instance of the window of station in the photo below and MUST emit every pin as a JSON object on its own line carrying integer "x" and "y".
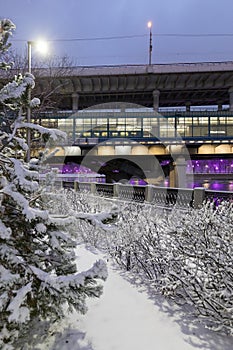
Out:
{"x": 218, "y": 126}
{"x": 166, "y": 127}
{"x": 87, "y": 127}
{"x": 100, "y": 123}
{"x": 201, "y": 120}
{"x": 184, "y": 126}
{"x": 133, "y": 127}
{"x": 99, "y": 127}
{"x": 78, "y": 127}
{"x": 47, "y": 123}
{"x": 200, "y": 127}
{"x": 124, "y": 127}
{"x": 229, "y": 126}
{"x": 66, "y": 125}
{"x": 150, "y": 127}
{"x": 116, "y": 124}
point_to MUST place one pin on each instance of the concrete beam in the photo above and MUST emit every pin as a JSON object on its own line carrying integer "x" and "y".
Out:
{"x": 75, "y": 98}
{"x": 156, "y": 94}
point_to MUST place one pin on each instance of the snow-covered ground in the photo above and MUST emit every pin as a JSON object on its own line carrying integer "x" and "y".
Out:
{"x": 129, "y": 317}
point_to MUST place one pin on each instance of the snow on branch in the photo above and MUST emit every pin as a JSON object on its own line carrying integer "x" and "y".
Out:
{"x": 22, "y": 202}
{"x": 20, "y": 173}
{"x": 15, "y": 89}
{"x": 98, "y": 270}
{"x": 7, "y": 277}
{"x": 6, "y": 29}
{"x": 97, "y": 219}
{"x": 5, "y": 232}
{"x": 19, "y": 314}
{"x": 55, "y": 134}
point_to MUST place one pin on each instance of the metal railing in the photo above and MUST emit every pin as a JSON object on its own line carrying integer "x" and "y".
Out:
{"x": 161, "y": 196}
{"x": 218, "y": 197}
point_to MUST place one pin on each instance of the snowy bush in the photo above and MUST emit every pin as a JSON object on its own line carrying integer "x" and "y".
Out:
{"x": 201, "y": 265}
{"x": 93, "y": 217}
{"x": 38, "y": 272}
{"x": 187, "y": 255}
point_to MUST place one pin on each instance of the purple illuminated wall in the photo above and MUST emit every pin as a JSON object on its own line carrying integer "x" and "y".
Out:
{"x": 213, "y": 166}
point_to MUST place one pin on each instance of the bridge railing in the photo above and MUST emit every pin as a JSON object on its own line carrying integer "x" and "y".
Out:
{"x": 218, "y": 197}
{"x": 161, "y": 196}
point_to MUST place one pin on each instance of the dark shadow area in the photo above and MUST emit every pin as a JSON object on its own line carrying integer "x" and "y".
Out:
{"x": 70, "y": 339}
{"x": 118, "y": 169}
{"x": 52, "y": 336}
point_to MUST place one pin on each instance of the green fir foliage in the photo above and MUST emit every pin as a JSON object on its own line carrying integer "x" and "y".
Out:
{"x": 38, "y": 271}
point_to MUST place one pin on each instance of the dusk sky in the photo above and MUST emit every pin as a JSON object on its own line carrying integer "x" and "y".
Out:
{"x": 183, "y": 30}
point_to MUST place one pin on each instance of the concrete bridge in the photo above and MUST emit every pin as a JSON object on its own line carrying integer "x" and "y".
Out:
{"x": 155, "y": 132}
{"x": 156, "y": 85}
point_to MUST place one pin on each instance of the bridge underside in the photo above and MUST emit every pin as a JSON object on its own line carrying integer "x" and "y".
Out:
{"x": 121, "y": 169}
{"x": 78, "y": 88}
{"x": 167, "y": 98}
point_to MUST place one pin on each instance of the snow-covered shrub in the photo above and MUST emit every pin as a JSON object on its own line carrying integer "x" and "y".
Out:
{"x": 38, "y": 272}
{"x": 201, "y": 264}
{"x": 93, "y": 217}
{"x": 187, "y": 255}
{"x": 137, "y": 238}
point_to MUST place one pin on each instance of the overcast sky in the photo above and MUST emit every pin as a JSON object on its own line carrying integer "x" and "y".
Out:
{"x": 62, "y": 20}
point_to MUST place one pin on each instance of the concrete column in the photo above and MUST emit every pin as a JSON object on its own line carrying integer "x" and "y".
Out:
{"x": 75, "y": 98}
{"x": 177, "y": 177}
{"x": 172, "y": 180}
{"x": 156, "y": 94}
{"x": 230, "y": 91}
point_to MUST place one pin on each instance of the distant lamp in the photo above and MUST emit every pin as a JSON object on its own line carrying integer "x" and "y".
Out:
{"x": 41, "y": 46}
{"x": 149, "y": 25}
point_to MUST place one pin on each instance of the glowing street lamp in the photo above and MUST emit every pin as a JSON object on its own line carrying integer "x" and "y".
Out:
{"x": 149, "y": 25}
{"x": 42, "y": 47}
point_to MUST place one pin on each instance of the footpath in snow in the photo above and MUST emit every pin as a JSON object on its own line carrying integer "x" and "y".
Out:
{"x": 126, "y": 318}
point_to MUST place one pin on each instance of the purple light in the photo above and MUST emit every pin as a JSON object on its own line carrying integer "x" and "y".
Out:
{"x": 137, "y": 182}
{"x": 216, "y": 166}
{"x": 165, "y": 162}
{"x": 75, "y": 169}
{"x": 218, "y": 186}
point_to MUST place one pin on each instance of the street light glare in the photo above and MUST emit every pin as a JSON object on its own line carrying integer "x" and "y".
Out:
{"x": 149, "y": 24}
{"x": 42, "y": 46}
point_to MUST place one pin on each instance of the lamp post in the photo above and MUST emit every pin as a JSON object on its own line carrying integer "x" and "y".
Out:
{"x": 149, "y": 25}
{"x": 28, "y": 136}
{"x": 42, "y": 47}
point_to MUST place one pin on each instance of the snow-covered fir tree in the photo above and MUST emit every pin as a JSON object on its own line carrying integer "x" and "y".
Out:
{"x": 38, "y": 274}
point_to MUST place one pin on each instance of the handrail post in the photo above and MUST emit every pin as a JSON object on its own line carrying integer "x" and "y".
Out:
{"x": 198, "y": 197}
{"x": 76, "y": 186}
{"x": 116, "y": 190}
{"x": 93, "y": 188}
{"x": 149, "y": 193}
